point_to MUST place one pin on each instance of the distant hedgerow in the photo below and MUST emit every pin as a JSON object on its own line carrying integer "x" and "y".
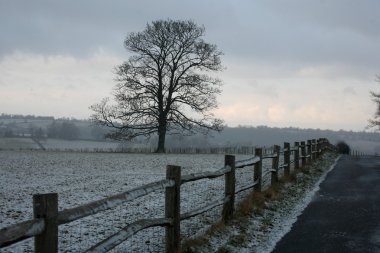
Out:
{"x": 343, "y": 148}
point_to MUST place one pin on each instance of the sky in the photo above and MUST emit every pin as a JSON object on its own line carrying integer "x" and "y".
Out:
{"x": 300, "y": 63}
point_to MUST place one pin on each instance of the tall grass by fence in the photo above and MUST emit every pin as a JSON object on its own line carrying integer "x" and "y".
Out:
{"x": 44, "y": 225}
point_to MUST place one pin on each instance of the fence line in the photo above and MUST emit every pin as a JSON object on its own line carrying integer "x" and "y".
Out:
{"x": 44, "y": 226}
{"x": 241, "y": 150}
{"x": 358, "y": 153}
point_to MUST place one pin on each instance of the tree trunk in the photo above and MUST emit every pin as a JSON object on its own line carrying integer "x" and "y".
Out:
{"x": 161, "y": 138}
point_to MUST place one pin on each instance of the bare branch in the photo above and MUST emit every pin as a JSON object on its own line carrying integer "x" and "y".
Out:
{"x": 162, "y": 82}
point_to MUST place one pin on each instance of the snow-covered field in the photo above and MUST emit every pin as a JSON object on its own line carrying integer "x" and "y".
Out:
{"x": 17, "y": 143}
{"x": 79, "y": 178}
{"x": 79, "y": 145}
{"x": 51, "y": 144}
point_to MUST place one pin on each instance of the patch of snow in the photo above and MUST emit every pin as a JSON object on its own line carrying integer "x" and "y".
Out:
{"x": 36, "y": 228}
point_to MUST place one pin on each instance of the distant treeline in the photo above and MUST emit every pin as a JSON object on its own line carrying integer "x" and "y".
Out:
{"x": 72, "y": 129}
{"x": 19, "y": 116}
{"x": 264, "y": 135}
{"x": 39, "y": 127}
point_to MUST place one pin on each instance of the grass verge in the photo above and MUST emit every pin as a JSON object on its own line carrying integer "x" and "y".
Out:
{"x": 259, "y": 215}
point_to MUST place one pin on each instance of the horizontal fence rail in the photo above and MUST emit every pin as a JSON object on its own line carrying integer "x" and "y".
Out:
{"x": 114, "y": 240}
{"x": 206, "y": 174}
{"x": 70, "y": 215}
{"x": 204, "y": 209}
{"x": 247, "y": 162}
{"x": 21, "y": 231}
{"x": 44, "y": 226}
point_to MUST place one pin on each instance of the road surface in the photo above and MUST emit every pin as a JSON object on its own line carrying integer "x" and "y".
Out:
{"x": 344, "y": 216}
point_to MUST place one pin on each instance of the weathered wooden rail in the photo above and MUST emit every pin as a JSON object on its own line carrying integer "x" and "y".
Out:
{"x": 44, "y": 225}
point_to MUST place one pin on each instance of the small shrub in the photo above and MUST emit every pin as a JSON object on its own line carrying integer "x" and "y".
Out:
{"x": 273, "y": 192}
{"x": 246, "y": 207}
{"x": 292, "y": 177}
{"x": 343, "y": 148}
{"x": 253, "y": 203}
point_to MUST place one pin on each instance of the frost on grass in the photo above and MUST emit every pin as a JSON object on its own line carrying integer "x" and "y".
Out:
{"x": 262, "y": 229}
{"x": 80, "y": 178}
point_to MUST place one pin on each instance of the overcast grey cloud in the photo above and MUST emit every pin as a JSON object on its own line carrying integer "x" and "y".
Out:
{"x": 303, "y": 63}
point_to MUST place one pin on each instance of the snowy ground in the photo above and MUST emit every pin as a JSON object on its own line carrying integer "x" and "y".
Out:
{"x": 17, "y": 144}
{"x": 79, "y": 145}
{"x": 260, "y": 232}
{"x": 79, "y": 178}
{"x": 21, "y": 143}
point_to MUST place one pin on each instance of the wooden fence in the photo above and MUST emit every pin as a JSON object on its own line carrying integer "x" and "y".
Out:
{"x": 46, "y": 218}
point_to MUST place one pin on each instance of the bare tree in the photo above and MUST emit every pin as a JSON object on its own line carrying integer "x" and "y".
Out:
{"x": 164, "y": 87}
{"x": 375, "y": 121}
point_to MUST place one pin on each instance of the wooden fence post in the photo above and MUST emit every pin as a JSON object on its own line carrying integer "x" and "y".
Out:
{"x": 325, "y": 144}
{"x": 46, "y": 206}
{"x": 172, "y": 209}
{"x": 296, "y": 155}
{"x": 303, "y": 153}
{"x": 275, "y": 161}
{"x": 229, "y": 188}
{"x": 286, "y": 159}
{"x": 318, "y": 147}
{"x": 258, "y": 169}
{"x": 322, "y": 145}
{"x": 314, "y": 149}
{"x": 309, "y": 151}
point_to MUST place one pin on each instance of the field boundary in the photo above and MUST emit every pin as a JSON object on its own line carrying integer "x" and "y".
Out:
{"x": 46, "y": 218}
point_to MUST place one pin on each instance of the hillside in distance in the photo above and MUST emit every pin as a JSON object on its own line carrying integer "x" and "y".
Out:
{"x": 70, "y": 129}
{"x": 49, "y": 127}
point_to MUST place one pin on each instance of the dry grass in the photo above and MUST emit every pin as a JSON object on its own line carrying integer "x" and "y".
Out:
{"x": 252, "y": 205}
{"x": 292, "y": 177}
{"x": 189, "y": 245}
{"x": 306, "y": 168}
{"x": 256, "y": 202}
{"x": 273, "y": 192}
{"x": 219, "y": 226}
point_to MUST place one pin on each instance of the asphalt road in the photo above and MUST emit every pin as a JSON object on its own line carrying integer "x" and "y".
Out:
{"x": 344, "y": 215}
